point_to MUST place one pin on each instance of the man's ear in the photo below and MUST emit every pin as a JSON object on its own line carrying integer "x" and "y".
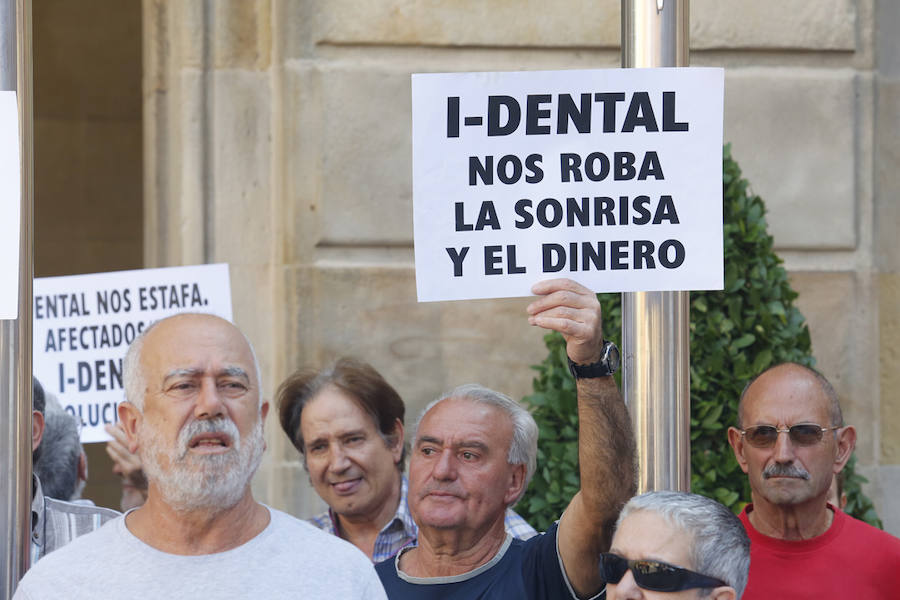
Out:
{"x": 37, "y": 429}
{"x": 736, "y": 440}
{"x": 723, "y": 593}
{"x": 516, "y": 484}
{"x": 82, "y": 467}
{"x": 263, "y": 411}
{"x": 130, "y": 418}
{"x": 846, "y": 442}
{"x": 397, "y": 441}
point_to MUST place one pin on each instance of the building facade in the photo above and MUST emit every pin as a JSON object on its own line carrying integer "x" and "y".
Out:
{"x": 276, "y": 137}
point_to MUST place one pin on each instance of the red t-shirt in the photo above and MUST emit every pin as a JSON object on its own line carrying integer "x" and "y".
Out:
{"x": 850, "y": 560}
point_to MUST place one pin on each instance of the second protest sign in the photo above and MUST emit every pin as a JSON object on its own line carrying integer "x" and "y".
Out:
{"x": 83, "y": 325}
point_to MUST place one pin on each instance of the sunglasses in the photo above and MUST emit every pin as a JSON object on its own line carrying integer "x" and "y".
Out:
{"x": 804, "y": 434}
{"x": 654, "y": 575}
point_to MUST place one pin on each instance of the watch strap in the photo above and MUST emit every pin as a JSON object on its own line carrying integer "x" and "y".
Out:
{"x": 601, "y": 368}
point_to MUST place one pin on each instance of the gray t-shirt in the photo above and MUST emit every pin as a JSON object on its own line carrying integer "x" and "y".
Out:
{"x": 288, "y": 559}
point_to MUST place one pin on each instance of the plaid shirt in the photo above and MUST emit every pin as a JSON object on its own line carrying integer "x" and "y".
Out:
{"x": 401, "y": 531}
{"x": 55, "y": 523}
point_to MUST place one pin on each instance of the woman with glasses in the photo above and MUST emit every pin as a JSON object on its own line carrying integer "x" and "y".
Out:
{"x": 672, "y": 545}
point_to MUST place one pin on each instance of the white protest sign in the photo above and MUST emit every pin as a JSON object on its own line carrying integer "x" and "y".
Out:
{"x": 609, "y": 177}
{"x": 10, "y": 198}
{"x": 83, "y": 325}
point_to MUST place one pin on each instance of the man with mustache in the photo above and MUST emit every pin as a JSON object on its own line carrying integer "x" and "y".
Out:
{"x": 472, "y": 456}
{"x": 791, "y": 440}
{"x": 195, "y": 414}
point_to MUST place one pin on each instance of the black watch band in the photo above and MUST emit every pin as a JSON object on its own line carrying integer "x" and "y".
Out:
{"x": 606, "y": 366}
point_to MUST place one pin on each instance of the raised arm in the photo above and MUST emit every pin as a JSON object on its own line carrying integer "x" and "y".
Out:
{"x": 605, "y": 440}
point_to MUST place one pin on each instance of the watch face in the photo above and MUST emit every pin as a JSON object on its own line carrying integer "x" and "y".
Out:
{"x": 612, "y": 357}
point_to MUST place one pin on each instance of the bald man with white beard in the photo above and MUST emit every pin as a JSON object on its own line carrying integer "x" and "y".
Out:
{"x": 194, "y": 413}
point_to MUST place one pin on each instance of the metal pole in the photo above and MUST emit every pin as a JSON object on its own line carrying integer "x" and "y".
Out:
{"x": 15, "y": 335}
{"x": 655, "y": 325}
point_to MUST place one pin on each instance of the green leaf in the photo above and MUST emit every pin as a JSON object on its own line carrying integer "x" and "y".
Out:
{"x": 762, "y": 360}
{"x": 712, "y": 419}
{"x": 743, "y": 341}
{"x": 777, "y": 308}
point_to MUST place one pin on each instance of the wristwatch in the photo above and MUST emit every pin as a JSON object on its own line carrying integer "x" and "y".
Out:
{"x": 607, "y": 365}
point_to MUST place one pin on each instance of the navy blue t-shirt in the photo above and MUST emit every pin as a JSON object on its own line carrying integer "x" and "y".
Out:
{"x": 522, "y": 569}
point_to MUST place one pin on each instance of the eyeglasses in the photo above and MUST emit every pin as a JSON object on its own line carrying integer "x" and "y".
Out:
{"x": 803, "y": 434}
{"x": 654, "y": 575}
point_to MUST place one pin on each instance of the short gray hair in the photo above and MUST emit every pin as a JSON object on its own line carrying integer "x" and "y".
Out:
{"x": 133, "y": 378}
{"x": 522, "y": 447}
{"x": 720, "y": 547}
{"x": 57, "y": 466}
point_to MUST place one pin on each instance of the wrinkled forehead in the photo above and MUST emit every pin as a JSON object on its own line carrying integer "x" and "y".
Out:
{"x": 786, "y": 395}
{"x": 199, "y": 344}
{"x": 464, "y": 419}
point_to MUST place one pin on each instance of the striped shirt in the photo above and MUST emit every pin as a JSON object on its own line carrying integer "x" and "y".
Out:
{"x": 55, "y": 523}
{"x": 401, "y": 530}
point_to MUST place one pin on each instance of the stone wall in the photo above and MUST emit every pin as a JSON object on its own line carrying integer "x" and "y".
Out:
{"x": 277, "y": 138}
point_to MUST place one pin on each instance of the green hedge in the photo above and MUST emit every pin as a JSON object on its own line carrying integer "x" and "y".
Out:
{"x": 735, "y": 334}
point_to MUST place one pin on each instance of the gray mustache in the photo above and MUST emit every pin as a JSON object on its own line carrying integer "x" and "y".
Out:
{"x": 215, "y": 425}
{"x": 451, "y": 489}
{"x": 790, "y": 470}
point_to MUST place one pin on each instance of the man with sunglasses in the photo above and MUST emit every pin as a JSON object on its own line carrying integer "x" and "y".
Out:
{"x": 790, "y": 440}
{"x": 672, "y": 545}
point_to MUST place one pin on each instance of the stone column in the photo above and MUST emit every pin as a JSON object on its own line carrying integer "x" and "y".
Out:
{"x": 887, "y": 257}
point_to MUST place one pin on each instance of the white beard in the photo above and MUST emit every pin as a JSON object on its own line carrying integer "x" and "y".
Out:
{"x": 189, "y": 482}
